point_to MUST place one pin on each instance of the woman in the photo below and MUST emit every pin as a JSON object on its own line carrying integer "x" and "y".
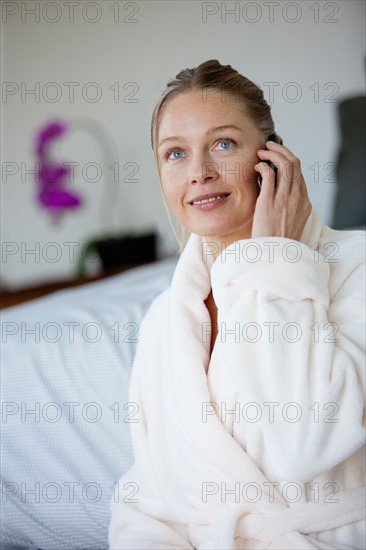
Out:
{"x": 250, "y": 435}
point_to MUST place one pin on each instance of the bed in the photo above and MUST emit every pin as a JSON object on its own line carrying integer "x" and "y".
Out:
{"x": 66, "y": 365}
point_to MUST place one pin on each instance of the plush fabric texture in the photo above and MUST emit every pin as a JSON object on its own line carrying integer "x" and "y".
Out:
{"x": 65, "y": 415}
{"x": 260, "y": 445}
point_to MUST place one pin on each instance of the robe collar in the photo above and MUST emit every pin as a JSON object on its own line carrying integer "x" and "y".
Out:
{"x": 188, "y": 357}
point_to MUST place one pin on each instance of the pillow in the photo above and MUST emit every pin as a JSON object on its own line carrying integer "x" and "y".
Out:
{"x": 66, "y": 365}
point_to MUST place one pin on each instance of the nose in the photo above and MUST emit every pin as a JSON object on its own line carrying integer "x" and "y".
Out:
{"x": 203, "y": 171}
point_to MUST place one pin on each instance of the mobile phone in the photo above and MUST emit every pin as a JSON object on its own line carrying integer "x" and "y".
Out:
{"x": 276, "y": 139}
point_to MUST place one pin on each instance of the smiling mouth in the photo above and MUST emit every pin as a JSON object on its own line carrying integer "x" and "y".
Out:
{"x": 210, "y": 200}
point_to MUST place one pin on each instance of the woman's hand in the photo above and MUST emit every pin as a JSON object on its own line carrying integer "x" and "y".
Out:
{"x": 280, "y": 212}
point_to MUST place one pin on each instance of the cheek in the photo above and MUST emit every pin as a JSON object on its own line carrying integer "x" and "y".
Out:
{"x": 241, "y": 175}
{"x": 247, "y": 170}
{"x": 171, "y": 192}
{"x": 240, "y": 168}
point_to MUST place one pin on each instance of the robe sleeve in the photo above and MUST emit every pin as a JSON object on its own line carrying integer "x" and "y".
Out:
{"x": 291, "y": 325}
{"x": 139, "y": 520}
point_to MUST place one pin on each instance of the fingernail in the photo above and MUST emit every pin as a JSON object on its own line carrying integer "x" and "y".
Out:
{"x": 271, "y": 142}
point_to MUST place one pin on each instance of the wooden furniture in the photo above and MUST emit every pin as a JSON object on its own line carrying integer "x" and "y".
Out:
{"x": 10, "y": 298}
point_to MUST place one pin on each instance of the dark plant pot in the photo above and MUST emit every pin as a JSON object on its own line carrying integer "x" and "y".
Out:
{"x": 119, "y": 251}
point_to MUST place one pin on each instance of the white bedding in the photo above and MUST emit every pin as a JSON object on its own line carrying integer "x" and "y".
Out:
{"x": 60, "y": 463}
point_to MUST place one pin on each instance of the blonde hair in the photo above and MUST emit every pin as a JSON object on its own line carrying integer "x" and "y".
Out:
{"x": 211, "y": 75}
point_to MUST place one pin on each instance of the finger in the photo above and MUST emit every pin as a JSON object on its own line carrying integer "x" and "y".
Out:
{"x": 277, "y": 147}
{"x": 277, "y": 158}
{"x": 287, "y": 171}
{"x": 268, "y": 178}
{"x": 284, "y": 179}
{"x": 284, "y": 174}
{"x": 303, "y": 188}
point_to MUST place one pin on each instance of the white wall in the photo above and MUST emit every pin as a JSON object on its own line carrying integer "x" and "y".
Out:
{"x": 322, "y": 48}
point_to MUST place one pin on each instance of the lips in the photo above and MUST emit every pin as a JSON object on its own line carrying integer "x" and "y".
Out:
{"x": 208, "y": 196}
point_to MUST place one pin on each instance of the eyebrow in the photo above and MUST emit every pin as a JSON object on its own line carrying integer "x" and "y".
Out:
{"x": 209, "y": 131}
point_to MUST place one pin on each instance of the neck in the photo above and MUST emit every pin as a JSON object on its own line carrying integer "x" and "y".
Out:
{"x": 215, "y": 245}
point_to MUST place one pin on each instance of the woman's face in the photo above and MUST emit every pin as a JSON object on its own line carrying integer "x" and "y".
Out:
{"x": 197, "y": 157}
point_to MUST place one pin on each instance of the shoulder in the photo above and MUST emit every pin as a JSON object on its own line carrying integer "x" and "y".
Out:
{"x": 157, "y": 313}
{"x": 152, "y": 331}
{"x": 350, "y": 236}
{"x": 344, "y": 252}
{"x": 346, "y": 246}
{"x": 159, "y": 304}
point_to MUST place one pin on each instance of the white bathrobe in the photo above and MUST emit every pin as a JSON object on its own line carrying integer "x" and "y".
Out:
{"x": 261, "y": 445}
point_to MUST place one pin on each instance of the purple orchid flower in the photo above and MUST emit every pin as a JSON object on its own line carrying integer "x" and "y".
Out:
{"x": 51, "y": 176}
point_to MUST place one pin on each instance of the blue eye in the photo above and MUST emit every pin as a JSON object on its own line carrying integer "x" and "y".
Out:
{"x": 227, "y": 141}
{"x": 168, "y": 153}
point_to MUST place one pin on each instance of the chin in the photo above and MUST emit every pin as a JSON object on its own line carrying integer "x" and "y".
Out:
{"x": 210, "y": 230}
{"x": 220, "y": 234}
